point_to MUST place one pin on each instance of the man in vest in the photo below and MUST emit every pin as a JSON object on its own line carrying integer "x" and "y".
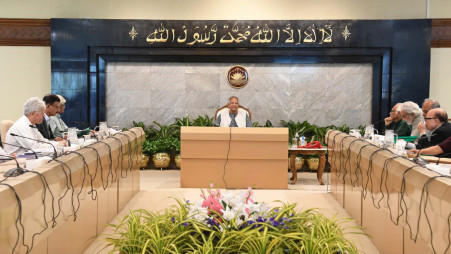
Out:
{"x": 234, "y": 117}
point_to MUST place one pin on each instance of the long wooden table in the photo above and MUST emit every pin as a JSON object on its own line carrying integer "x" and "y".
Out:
{"x": 405, "y": 208}
{"x": 72, "y": 200}
{"x": 234, "y": 157}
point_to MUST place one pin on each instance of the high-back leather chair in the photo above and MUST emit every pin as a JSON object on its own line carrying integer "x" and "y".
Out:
{"x": 240, "y": 108}
{"x": 4, "y": 127}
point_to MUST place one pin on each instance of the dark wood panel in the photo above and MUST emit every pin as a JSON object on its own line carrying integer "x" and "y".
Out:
{"x": 441, "y": 33}
{"x": 24, "y": 32}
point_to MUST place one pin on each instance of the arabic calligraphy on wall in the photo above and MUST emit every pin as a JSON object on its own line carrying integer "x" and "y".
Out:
{"x": 239, "y": 33}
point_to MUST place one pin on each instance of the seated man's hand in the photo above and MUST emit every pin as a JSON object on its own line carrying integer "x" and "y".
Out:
{"x": 58, "y": 138}
{"x": 14, "y": 155}
{"x": 63, "y": 142}
{"x": 422, "y": 128}
{"x": 412, "y": 153}
{"x": 388, "y": 121}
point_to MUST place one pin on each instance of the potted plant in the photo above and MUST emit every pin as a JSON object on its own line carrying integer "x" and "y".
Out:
{"x": 146, "y": 152}
{"x": 160, "y": 148}
{"x": 176, "y": 147}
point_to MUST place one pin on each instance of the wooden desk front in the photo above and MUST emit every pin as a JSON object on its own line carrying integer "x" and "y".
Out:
{"x": 234, "y": 157}
{"x": 114, "y": 183}
{"x": 391, "y": 197}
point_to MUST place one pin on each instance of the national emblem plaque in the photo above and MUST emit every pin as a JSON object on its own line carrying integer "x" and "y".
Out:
{"x": 237, "y": 77}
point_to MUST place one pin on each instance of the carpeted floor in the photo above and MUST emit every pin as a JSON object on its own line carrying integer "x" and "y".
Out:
{"x": 158, "y": 186}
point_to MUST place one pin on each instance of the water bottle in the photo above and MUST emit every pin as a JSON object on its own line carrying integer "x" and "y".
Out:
{"x": 302, "y": 140}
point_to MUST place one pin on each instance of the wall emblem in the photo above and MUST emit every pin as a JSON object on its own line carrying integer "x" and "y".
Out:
{"x": 237, "y": 77}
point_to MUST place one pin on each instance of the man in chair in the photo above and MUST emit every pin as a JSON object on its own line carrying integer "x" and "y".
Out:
{"x": 52, "y": 105}
{"x": 233, "y": 117}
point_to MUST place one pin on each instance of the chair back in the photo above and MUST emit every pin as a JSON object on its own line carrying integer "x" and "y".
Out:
{"x": 4, "y": 127}
{"x": 240, "y": 108}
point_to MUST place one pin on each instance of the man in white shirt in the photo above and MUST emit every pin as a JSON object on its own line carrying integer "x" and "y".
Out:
{"x": 25, "y": 126}
{"x": 234, "y": 117}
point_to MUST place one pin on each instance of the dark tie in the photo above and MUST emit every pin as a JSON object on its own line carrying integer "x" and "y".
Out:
{"x": 233, "y": 122}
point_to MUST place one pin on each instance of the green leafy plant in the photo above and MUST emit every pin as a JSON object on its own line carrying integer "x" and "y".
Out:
{"x": 162, "y": 132}
{"x": 147, "y": 147}
{"x": 203, "y": 121}
{"x": 162, "y": 145}
{"x": 173, "y": 231}
{"x": 143, "y": 126}
{"x": 178, "y": 123}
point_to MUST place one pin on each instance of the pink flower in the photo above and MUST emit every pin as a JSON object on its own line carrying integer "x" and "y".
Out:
{"x": 213, "y": 203}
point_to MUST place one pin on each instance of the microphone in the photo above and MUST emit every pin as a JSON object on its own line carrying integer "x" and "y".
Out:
{"x": 55, "y": 154}
{"x": 15, "y": 171}
{"x": 35, "y": 154}
{"x": 418, "y": 160}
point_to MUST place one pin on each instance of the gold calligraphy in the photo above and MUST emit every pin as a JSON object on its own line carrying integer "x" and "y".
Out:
{"x": 237, "y": 33}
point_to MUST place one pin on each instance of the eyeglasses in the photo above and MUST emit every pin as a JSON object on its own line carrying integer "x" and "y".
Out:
{"x": 429, "y": 118}
{"x": 40, "y": 112}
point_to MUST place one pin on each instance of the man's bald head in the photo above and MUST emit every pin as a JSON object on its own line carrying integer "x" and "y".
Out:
{"x": 440, "y": 114}
{"x": 429, "y": 104}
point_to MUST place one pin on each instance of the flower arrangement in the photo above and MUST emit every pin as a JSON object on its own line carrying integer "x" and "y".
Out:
{"x": 230, "y": 222}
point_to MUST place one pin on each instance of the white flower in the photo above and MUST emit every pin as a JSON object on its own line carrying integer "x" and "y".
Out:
{"x": 228, "y": 214}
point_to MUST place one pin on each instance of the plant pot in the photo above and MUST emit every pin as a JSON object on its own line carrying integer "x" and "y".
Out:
{"x": 178, "y": 160}
{"x": 144, "y": 160}
{"x": 313, "y": 163}
{"x": 161, "y": 160}
{"x": 297, "y": 164}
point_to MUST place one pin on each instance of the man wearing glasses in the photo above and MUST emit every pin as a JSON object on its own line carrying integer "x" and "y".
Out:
{"x": 52, "y": 106}
{"x": 395, "y": 122}
{"x": 436, "y": 122}
{"x": 33, "y": 114}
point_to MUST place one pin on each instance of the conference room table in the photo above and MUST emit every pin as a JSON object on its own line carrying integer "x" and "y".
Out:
{"x": 404, "y": 207}
{"x": 62, "y": 205}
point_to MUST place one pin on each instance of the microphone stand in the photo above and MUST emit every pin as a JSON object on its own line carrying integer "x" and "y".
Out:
{"x": 55, "y": 153}
{"x": 441, "y": 156}
{"x": 15, "y": 171}
{"x": 35, "y": 154}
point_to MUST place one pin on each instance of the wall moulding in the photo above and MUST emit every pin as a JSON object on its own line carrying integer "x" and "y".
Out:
{"x": 441, "y": 33}
{"x": 36, "y": 32}
{"x": 25, "y": 32}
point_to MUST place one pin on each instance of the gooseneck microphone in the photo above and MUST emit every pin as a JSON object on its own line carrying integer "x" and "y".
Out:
{"x": 15, "y": 171}
{"x": 55, "y": 154}
{"x": 35, "y": 154}
{"x": 441, "y": 156}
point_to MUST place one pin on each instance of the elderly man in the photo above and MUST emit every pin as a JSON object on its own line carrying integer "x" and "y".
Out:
{"x": 25, "y": 126}
{"x": 57, "y": 125}
{"x": 436, "y": 122}
{"x": 428, "y": 104}
{"x": 233, "y": 117}
{"x": 411, "y": 114}
{"x": 395, "y": 122}
{"x": 52, "y": 106}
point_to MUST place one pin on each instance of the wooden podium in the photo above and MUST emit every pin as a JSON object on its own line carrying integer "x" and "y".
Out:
{"x": 234, "y": 157}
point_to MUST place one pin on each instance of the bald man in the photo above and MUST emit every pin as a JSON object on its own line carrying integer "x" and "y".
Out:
{"x": 437, "y": 123}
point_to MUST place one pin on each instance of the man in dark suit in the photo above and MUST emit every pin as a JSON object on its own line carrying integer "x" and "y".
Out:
{"x": 52, "y": 105}
{"x": 436, "y": 122}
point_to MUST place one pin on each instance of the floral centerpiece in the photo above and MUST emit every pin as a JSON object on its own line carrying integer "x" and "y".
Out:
{"x": 229, "y": 222}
